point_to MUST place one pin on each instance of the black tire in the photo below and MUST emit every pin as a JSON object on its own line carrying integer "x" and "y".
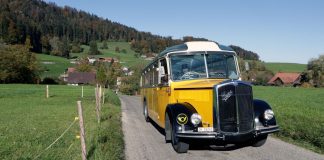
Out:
{"x": 145, "y": 112}
{"x": 260, "y": 141}
{"x": 167, "y": 128}
{"x": 178, "y": 145}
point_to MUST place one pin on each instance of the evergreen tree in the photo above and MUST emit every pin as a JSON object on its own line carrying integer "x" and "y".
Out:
{"x": 65, "y": 48}
{"x": 93, "y": 48}
{"x": 117, "y": 49}
{"x": 104, "y": 45}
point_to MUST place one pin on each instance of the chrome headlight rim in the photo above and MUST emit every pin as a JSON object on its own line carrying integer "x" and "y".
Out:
{"x": 195, "y": 119}
{"x": 268, "y": 114}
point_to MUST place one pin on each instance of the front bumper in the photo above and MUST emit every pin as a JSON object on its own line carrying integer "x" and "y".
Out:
{"x": 235, "y": 137}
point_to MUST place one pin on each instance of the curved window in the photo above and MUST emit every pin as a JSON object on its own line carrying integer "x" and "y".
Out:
{"x": 203, "y": 65}
{"x": 188, "y": 66}
{"x": 221, "y": 66}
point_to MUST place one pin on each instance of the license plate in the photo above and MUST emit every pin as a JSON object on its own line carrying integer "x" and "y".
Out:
{"x": 205, "y": 129}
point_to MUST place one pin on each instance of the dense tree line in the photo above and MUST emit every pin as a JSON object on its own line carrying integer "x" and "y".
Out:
{"x": 245, "y": 54}
{"x": 43, "y": 22}
{"x": 51, "y": 29}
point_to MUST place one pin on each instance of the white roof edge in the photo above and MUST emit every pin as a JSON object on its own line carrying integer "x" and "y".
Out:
{"x": 202, "y": 46}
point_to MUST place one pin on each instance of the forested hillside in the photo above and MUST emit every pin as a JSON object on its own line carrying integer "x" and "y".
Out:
{"x": 41, "y": 22}
{"x": 245, "y": 54}
{"x": 52, "y": 29}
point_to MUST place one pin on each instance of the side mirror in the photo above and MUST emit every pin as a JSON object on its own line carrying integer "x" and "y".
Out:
{"x": 164, "y": 79}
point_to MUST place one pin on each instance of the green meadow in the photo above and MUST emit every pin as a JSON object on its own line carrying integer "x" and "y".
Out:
{"x": 30, "y": 123}
{"x": 299, "y": 112}
{"x": 52, "y": 66}
{"x": 285, "y": 67}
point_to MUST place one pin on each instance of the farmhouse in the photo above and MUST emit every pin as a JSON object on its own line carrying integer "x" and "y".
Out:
{"x": 108, "y": 59}
{"x": 73, "y": 77}
{"x": 287, "y": 79}
{"x": 76, "y": 78}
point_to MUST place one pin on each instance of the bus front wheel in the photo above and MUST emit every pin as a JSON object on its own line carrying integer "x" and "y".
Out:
{"x": 178, "y": 145}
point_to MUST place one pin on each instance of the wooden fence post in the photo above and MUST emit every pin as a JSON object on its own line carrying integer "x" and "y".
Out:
{"x": 97, "y": 104}
{"x": 99, "y": 99}
{"x": 100, "y": 91}
{"x": 81, "y": 91}
{"x": 82, "y": 132}
{"x": 103, "y": 96}
{"x": 47, "y": 91}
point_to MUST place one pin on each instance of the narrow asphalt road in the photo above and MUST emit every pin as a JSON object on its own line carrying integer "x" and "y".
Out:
{"x": 144, "y": 141}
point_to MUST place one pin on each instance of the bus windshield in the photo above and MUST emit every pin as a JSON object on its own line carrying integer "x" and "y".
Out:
{"x": 203, "y": 65}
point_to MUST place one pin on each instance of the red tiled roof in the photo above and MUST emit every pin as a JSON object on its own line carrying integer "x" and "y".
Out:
{"x": 286, "y": 78}
{"x": 71, "y": 69}
{"x": 107, "y": 59}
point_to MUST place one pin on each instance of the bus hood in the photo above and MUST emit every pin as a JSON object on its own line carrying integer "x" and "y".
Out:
{"x": 197, "y": 84}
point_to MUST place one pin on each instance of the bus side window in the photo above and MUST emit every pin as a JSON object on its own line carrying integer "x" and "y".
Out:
{"x": 163, "y": 72}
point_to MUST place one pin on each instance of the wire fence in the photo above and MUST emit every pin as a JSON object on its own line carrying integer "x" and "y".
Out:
{"x": 57, "y": 90}
{"x": 58, "y": 138}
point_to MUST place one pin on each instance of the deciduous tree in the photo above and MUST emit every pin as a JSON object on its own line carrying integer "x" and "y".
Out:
{"x": 315, "y": 71}
{"x": 17, "y": 64}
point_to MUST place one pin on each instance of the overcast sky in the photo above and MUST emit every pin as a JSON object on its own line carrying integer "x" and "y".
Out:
{"x": 279, "y": 31}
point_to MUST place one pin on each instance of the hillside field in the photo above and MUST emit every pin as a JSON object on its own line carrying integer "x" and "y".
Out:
{"x": 126, "y": 59}
{"x": 299, "y": 112}
{"x": 30, "y": 123}
{"x": 54, "y": 66}
{"x": 285, "y": 67}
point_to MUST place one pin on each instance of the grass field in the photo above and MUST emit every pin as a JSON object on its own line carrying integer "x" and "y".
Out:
{"x": 300, "y": 113}
{"x": 285, "y": 67}
{"x": 55, "y": 67}
{"x": 30, "y": 123}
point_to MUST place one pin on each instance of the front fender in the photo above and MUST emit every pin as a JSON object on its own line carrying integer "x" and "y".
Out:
{"x": 259, "y": 107}
{"x": 181, "y": 108}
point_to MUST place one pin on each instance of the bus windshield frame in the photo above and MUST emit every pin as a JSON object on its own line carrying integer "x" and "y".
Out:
{"x": 201, "y": 64}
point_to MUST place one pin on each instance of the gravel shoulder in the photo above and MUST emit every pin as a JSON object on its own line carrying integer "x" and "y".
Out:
{"x": 144, "y": 141}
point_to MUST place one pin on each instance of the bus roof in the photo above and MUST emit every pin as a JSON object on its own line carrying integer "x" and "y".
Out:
{"x": 192, "y": 47}
{"x": 196, "y": 46}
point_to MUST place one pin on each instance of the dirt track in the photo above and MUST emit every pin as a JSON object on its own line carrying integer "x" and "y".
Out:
{"x": 145, "y": 141}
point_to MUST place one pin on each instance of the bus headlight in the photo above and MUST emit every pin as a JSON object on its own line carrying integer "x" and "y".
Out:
{"x": 195, "y": 119}
{"x": 268, "y": 114}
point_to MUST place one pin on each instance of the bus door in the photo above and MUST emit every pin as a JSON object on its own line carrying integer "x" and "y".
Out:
{"x": 154, "y": 90}
{"x": 163, "y": 90}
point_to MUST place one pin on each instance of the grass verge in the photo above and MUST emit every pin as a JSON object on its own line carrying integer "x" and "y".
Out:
{"x": 30, "y": 123}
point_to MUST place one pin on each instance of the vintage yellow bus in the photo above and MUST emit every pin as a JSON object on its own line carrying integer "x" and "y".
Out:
{"x": 194, "y": 92}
